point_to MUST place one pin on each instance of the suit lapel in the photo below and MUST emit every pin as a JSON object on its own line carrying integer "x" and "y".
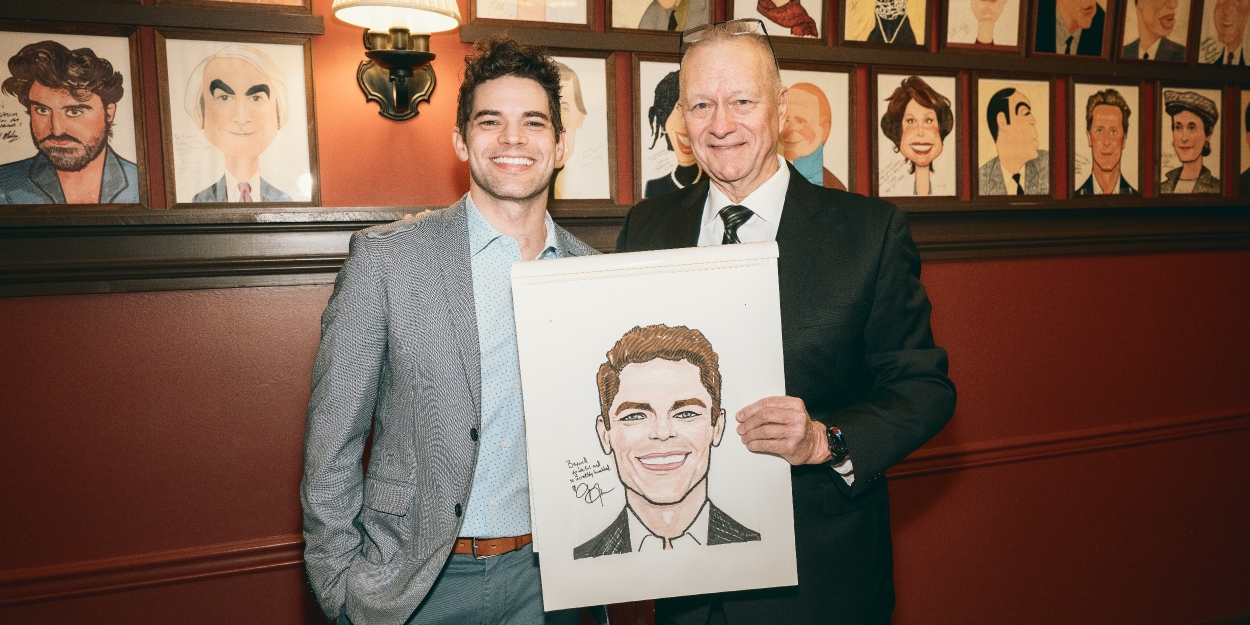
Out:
{"x": 452, "y": 245}
{"x": 686, "y": 232}
{"x": 114, "y": 180}
{"x": 797, "y": 238}
{"x": 43, "y": 174}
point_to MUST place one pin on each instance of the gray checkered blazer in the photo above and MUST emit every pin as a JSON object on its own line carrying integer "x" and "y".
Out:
{"x": 399, "y": 351}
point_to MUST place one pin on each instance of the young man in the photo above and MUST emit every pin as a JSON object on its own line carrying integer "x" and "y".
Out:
{"x": 1106, "y": 127}
{"x": 865, "y": 384}
{"x": 419, "y": 345}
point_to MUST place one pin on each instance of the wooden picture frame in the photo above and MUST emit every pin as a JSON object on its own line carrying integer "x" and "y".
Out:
{"x": 858, "y": 20}
{"x": 843, "y": 169}
{"x": 1076, "y": 125}
{"x": 1164, "y": 143}
{"x": 611, "y": 7}
{"x": 1021, "y": 23}
{"x": 947, "y": 188}
{"x": 182, "y": 142}
{"x": 494, "y": 6}
{"x": 1109, "y": 18}
{"x": 977, "y": 110}
{"x": 128, "y": 186}
{"x": 266, "y": 6}
{"x": 778, "y": 32}
{"x": 1123, "y": 41}
{"x": 582, "y": 134}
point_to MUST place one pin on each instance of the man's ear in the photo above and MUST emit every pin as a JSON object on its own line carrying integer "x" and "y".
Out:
{"x": 109, "y": 112}
{"x": 718, "y": 430}
{"x": 602, "y": 431}
{"x": 559, "y": 155}
{"x": 457, "y": 142}
{"x": 1002, "y": 121}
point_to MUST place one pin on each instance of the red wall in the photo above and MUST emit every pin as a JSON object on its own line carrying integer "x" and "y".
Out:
{"x": 1094, "y": 471}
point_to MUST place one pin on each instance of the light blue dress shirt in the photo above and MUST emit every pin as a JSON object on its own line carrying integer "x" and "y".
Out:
{"x": 499, "y": 502}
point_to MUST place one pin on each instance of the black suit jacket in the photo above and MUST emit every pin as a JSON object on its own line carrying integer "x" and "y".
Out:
{"x": 859, "y": 352}
{"x": 721, "y": 530}
{"x": 1091, "y": 39}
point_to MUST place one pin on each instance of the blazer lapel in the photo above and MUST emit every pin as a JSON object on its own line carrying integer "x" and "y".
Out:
{"x": 43, "y": 174}
{"x": 114, "y": 180}
{"x": 686, "y": 230}
{"x": 452, "y": 247}
{"x": 797, "y": 236}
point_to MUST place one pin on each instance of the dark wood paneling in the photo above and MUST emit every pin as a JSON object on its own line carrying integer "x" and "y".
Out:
{"x": 198, "y": 17}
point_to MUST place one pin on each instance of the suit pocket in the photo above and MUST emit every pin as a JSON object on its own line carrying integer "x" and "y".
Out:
{"x": 389, "y": 497}
{"x": 384, "y": 520}
{"x": 836, "y": 503}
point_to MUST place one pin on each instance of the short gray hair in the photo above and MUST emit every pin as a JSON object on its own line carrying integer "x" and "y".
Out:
{"x": 193, "y": 100}
{"x": 717, "y": 35}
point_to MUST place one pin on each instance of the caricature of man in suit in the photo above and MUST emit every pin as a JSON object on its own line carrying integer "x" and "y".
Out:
{"x": 1230, "y": 18}
{"x": 1106, "y": 128}
{"x": 674, "y": 15}
{"x": 809, "y": 120}
{"x": 1020, "y": 167}
{"x": 660, "y": 416}
{"x": 1155, "y": 21}
{"x": 238, "y": 97}
{"x": 71, "y": 98}
{"x": 1070, "y": 27}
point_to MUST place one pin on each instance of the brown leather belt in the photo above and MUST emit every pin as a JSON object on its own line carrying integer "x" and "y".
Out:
{"x": 489, "y": 547}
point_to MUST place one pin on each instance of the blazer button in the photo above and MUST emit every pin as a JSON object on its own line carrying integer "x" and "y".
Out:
{"x": 473, "y": 433}
{"x": 457, "y": 510}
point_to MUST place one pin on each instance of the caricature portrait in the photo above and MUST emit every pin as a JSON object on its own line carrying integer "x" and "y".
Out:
{"x": 660, "y": 416}
{"x": 668, "y": 160}
{"x": 1156, "y": 30}
{"x": 784, "y": 18}
{"x": 814, "y": 138}
{"x": 1191, "y": 130}
{"x": 1071, "y": 26}
{"x": 556, "y": 11}
{"x": 915, "y": 132}
{"x": 68, "y": 122}
{"x": 895, "y": 22}
{"x": 669, "y": 15}
{"x": 583, "y": 172}
{"x": 1012, "y": 139}
{"x": 1244, "y": 182}
{"x": 1223, "y": 40}
{"x": 1106, "y": 157}
{"x": 983, "y": 23}
{"x": 239, "y": 121}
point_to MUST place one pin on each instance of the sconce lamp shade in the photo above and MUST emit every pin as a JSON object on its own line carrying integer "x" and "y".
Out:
{"x": 418, "y": 16}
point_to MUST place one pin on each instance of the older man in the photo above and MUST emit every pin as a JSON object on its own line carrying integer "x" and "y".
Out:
{"x": 1106, "y": 128}
{"x": 865, "y": 383}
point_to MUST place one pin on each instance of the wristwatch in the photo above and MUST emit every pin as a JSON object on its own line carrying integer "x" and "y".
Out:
{"x": 837, "y": 445}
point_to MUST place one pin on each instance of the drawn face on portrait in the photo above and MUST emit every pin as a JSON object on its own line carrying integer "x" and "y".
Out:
{"x": 1223, "y": 39}
{"x": 1243, "y": 140}
{"x": 1105, "y": 143}
{"x": 814, "y": 135}
{"x": 1190, "y": 161}
{"x": 67, "y": 120}
{"x": 584, "y": 171}
{"x": 785, "y": 18}
{"x": 665, "y": 15}
{"x": 984, "y": 23}
{"x": 916, "y": 135}
{"x": 1013, "y": 137}
{"x": 558, "y": 11}
{"x": 239, "y": 121}
{"x": 1156, "y": 30}
{"x": 895, "y": 22}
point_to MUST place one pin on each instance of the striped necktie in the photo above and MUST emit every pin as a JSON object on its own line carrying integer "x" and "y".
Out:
{"x": 733, "y": 216}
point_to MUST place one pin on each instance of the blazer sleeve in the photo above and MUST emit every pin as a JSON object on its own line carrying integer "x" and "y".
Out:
{"x": 912, "y": 399}
{"x": 345, "y": 381}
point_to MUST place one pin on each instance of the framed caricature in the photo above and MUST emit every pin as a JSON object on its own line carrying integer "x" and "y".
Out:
{"x": 284, "y": 6}
{"x": 984, "y": 25}
{"x": 819, "y": 137}
{"x": 588, "y": 169}
{"x": 1078, "y": 28}
{"x": 1106, "y": 125}
{"x": 1155, "y": 30}
{"x": 238, "y": 119}
{"x": 886, "y": 22}
{"x": 1223, "y": 38}
{"x": 1243, "y": 142}
{"x": 549, "y": 13}
{"x": 917, "y": 152}
{"x": 663, "y": 160}
{"x": 672, "y": 16}
{"x": 71, "y": 126}
{"x": 1190, "y": 160}
{"x": 800, "y": 19}
{"x": 1012, "y": 136}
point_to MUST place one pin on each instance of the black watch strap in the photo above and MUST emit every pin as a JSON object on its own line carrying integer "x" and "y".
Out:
{"x": 837, "y": 445}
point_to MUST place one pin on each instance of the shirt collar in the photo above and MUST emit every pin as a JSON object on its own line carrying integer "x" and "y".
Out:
{"x": 482, "y": 233}
{"x": 641, "y": 538}
{"x": 766, "y": 201}
{"x": 1153, "y": 50}
{"x": 1007, "y": 177}
{"x": 232, "y": 187}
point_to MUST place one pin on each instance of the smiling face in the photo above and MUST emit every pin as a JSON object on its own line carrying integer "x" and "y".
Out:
{"x": 511, "y": 145}
{"x": 1188, "y": 136}
{"x": 661, "y": 433}
{"x": 1230, "y": 18}
{"x": 1079, "y": 12}
{"x": 921, "y": 142}
{"x": 70, "y": 133}
{"x": 1156, "y": 17}
{"x": 803, "y": 131}
{"x": 988, "y": 10}
{"x": 1106, "y": 136}
{"x": 733, "y": 112}
{"x": 240, "y": 113}
{"x": 675, "y": 128}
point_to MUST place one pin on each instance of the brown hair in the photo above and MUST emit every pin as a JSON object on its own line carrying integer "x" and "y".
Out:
{"x": 1107, "y": 97}
{"x": 915, "y": 88}
{"x": 641, "y": 345}
{"x": 500, "y": 56}
{"x": 80, "y": 72}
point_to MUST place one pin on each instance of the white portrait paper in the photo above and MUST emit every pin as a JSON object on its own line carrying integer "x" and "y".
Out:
{"x": 588, "y": 331}
{"x": 969, "y": 21}
{"x": 561, "y": 11}
{"x": 584, "y": 110}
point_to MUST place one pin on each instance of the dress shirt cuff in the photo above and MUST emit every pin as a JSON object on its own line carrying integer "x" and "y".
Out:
{"x": 846, "y": 470}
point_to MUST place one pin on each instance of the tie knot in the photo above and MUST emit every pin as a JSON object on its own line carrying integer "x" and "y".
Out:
{"x": 734, "y": 216}
{"x": 245, "y": 192}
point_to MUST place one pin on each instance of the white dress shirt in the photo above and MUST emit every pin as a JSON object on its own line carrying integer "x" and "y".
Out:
{"x": 1009, "y": 181}
{"x": 766, "y": 202}
{"x": 641, "y": 538}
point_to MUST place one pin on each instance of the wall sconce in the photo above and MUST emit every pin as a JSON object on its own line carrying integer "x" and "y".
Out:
{"x": 398, "y": 74}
